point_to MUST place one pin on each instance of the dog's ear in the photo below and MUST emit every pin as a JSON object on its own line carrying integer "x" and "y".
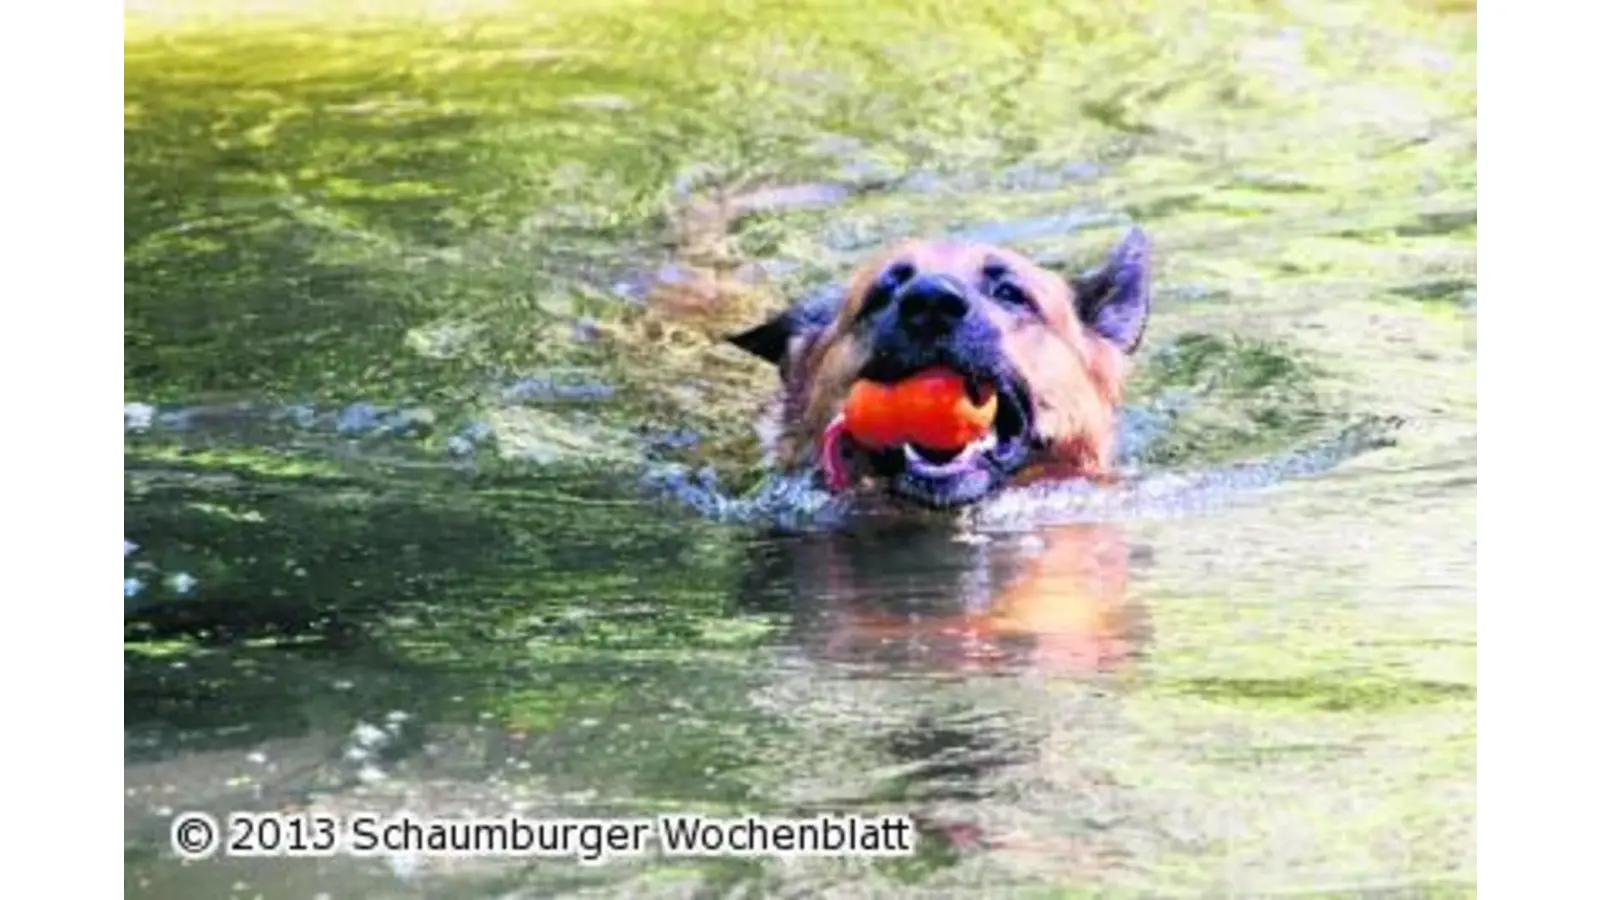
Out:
{"x": 773, "y": 339}
{"x": 1114, "y": 300}
{"x": 769, "y": 340}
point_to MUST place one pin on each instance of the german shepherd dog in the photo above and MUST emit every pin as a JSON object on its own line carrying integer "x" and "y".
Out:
{"x": 1054, "y": 350}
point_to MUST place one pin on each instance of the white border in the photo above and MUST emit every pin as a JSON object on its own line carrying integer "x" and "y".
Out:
{"x": 1537, "y": 280}
{"x": 1538, "y": 333}
{"x": 61, "y": 81}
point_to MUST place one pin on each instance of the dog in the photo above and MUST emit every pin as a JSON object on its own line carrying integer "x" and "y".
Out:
{"x": 1055, "y": 352}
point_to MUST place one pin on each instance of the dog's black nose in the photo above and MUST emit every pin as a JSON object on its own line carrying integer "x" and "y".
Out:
{"x": 932, "y": 304}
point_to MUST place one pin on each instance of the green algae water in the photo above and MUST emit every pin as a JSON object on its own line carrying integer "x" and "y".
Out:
{"x": 421, "y": 306}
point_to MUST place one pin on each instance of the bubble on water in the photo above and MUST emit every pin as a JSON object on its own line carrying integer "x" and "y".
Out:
{"x": 672, "y": 273}
{"x": 466, "y": 439}
{"x": 137, "y": 416}
{"x": 131, "y": 587}
{"x": 415, "y": 421}
{"x": 182, "y": 583}
{"x": 669, "y": 477}
{"x": 629, "y": 291}
{"x": 358, "y": 417}
{"x": 257, "y": 757}
{"x": 176, "y": 419}
{"x": 366, "y": 733}
{"x": 405, "y": 865}
{"x": 128, "y": 548}
{"x": 302, "y": 414}
{"x": 707, "y": 477}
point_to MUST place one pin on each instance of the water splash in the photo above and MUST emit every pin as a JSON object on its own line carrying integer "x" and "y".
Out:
{"x": 797, "y": 503}
{"x": 1168, "y": 494}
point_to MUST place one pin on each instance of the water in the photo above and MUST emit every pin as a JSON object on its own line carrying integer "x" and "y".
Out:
{"x": 442, "y": 497}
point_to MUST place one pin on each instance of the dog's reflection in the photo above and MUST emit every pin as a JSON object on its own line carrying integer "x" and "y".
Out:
{"x": 930, "y": 597}
{"x": 905, "y": 597}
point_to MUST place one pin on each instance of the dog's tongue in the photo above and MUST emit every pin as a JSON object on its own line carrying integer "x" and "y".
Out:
{"x": 834, "y": 469}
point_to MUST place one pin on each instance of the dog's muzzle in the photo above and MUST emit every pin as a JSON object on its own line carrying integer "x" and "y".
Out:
{"x": 936, "y": 478}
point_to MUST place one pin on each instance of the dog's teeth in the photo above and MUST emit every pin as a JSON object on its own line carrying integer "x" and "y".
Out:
{"x": 955, "y": 463}
{"x": 977, "y": 391}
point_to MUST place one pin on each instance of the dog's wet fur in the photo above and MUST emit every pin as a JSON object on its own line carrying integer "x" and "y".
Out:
{"x": 1055, "y": 351}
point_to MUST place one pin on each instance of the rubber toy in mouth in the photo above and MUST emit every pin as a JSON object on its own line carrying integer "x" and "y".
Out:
{"x": 936, "y": 409}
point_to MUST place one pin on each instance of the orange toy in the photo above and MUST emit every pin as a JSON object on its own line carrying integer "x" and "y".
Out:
{"x": 930, "y": 409}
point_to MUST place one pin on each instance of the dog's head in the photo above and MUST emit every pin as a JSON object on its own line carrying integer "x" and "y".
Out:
{"x": 1053, "y": 350}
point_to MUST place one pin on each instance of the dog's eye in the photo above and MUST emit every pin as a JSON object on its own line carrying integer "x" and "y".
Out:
{"x": 1011, "y": 295}
{"x": 896, "y": 275}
